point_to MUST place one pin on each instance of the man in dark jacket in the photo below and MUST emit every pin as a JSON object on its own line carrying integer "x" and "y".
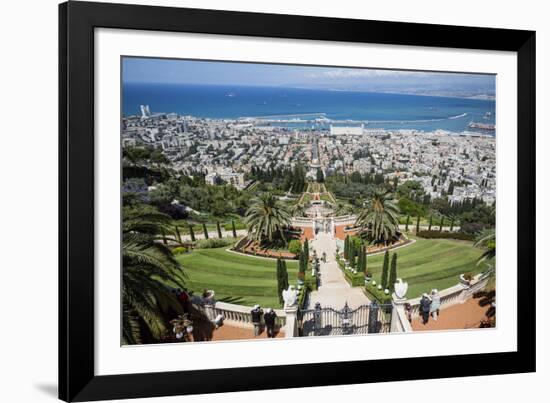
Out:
{"x": 269, "y": 319}
{"x": 256, "y": 314}
{"x": 425, "y": 308}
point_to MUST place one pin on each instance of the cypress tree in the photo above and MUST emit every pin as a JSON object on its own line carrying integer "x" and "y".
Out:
{"x": 204, "y": 230}
{"x": 234, "y": 229}
{"x": 302, "y": 263}
{"x": 407, "y": 224}
{"x": 306, "y": 250}
{"x": 393, "y": 272}
{"x": 285, "y": 274}
{"x": 219, "y": 229}
{"x": 346, "y": 247}
{"x": 430, "y": 225}
{"x": 385, "y": 268}
{"x": 417, "y": 225}
{"x": 352, "y": 261}
{"x": 192, "y": 233}
{"x": 282, "y": 278}
{"x": 361, "y": 263}
{"x": 178, "y": 235}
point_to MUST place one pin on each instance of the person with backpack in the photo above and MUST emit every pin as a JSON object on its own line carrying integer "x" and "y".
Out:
{"x": 269, "y": 318}
{"x": 256, "y": 314}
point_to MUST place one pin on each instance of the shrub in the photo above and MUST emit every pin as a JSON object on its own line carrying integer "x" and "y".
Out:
{"x": 378, "y": 295}
{"x": 446, "y": 235}
{"x": 179, "y": 250}
{"x": 215, "y": 243}
{"x": 295, "y": 246}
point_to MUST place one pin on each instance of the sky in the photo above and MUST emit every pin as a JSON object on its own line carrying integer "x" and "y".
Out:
{"x": 178, "y": 71}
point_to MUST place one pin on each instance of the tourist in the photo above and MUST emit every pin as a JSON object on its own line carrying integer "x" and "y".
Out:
{"x": 256, "y": 314}
{"x": 408, "y": 312}
{"x": 435, "y": 305}
{"x": 324, "y": 257}
{"x": 269, "y": 319}
{"x": 425, "y": 308}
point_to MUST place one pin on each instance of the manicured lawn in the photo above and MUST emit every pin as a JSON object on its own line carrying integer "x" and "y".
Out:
{"x": 244, "y": 280}
{"x": 431, "y": 263}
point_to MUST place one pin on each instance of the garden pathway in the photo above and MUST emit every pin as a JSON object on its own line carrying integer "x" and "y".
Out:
{"x": 334, "y": 290}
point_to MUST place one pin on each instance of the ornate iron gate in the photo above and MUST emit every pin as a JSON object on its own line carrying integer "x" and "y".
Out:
{"x": 327, "y": 321}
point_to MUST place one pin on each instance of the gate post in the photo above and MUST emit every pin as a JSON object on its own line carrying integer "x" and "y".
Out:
{"x": 291, "y": 325}
{"x": 291, "y": 311}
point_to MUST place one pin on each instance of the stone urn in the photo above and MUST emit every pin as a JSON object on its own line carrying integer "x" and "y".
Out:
{"x": 464, "y": 281}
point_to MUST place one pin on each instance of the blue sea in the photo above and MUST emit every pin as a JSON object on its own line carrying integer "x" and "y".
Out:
{"x": 381, "y": 110}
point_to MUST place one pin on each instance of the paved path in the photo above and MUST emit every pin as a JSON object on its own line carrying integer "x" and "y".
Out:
{"x": 334, "y": 290}
{"x": 462, "y": 316}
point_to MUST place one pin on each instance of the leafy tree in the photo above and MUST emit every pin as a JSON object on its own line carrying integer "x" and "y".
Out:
{"x": 385, "y": 268}
{"x": 393, "y": 272}
{"x": 430, "y": 224}
{"x": 407, "y": 224}
{"x": 441, "y": 223}
{"x": 417, "y": 224}
{"x": 295, "y": 246}
{"x": 380, "y": 216}
{"x": 267, "y": 217}
{"x": 205, "y": 230}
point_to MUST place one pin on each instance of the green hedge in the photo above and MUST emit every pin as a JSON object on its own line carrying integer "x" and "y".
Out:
{"x": 214, "y": 243}
{"x": 354, "y": 279}
{"x": 446, "y": 235}
{"x": 378, "y": 295}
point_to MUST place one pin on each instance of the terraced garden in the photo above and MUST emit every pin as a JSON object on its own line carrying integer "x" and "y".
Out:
{"x": 248, "y": 280}
{"x": 238, "y": 279}
{"x": 431, "y": 263}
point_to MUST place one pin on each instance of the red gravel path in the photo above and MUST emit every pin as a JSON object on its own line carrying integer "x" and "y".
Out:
{"x": 461, "y": 316}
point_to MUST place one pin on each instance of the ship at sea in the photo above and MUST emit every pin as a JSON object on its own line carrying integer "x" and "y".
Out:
{"x": 482, "y": 126}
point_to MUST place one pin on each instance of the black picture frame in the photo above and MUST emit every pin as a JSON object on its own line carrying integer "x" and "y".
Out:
{"x": 77, "y": 21}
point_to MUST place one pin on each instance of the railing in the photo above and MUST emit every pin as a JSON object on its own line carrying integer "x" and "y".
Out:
{"x": 232, "y": 313}
{"x": 345, "y": 220}
{"x": 300, "y": 221}
{"x": 456, "y": 294}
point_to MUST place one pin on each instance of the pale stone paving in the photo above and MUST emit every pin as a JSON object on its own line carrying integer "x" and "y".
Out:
{"x": 334, "y": 290}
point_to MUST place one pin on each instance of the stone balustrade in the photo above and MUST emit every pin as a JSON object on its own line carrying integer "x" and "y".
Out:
{"x": 399, "y": 321}
{"x": 456, "y": 294}
{"x": 235, "y": 314}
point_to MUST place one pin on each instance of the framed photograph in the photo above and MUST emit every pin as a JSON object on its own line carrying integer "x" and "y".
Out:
{"x": 258, "y": 201}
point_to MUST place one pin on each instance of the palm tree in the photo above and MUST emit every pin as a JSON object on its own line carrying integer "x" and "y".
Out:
{"x": 147, "y": 265}
{"x": 380, "y": 216}
{"x": 298, "y": 210}
{"x": 487, "y": 239}
{"x": 343, "y": 209}
{"x": 266, "y": 217}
